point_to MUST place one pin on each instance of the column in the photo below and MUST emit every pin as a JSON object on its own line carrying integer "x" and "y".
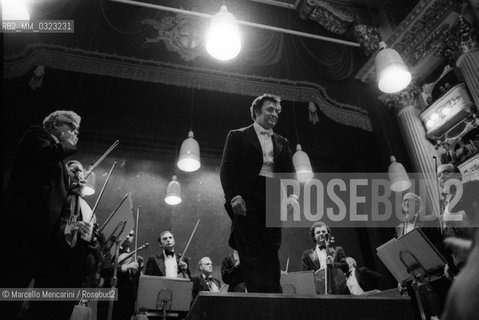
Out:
{"x": 468, "y": 63}
{"x": 420, "y": 150}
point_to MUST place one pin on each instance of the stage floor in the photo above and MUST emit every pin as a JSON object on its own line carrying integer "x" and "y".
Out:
{"x": 246, "y": 306}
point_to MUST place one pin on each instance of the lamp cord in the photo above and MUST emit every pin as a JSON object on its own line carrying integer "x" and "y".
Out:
{"x": 192, "y": 107}
{"x": 288, "y": 76}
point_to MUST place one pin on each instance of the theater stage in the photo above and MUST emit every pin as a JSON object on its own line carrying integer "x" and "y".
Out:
{"x": 246, "y": 306}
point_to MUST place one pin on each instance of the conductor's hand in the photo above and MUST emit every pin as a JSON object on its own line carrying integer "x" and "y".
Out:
{"x": 239, "y": 206}
{"x": 183, "y": 265}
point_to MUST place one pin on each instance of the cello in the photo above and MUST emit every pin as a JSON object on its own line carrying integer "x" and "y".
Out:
{"x": 331, "y": 279}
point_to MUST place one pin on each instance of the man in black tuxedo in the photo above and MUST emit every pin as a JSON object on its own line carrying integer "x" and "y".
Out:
{"x": 325, "y": 256}
{"x": 205, "y": 281}
{"x": 167, "y": 263}
{"x": 251, "y": 155}
{"x": 32, "y": 243}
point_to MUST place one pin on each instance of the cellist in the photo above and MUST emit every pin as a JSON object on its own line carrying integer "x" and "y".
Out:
{"x": 328, "y": 261}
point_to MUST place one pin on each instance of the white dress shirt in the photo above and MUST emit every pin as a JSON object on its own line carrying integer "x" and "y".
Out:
{"x": 266, "y": 142}
{"x": 322, "y": 256}
{"x": 171, "y": 267}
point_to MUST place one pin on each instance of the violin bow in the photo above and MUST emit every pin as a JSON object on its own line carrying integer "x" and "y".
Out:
{"x": 136, "y": 232}
{"x": 102, "y": 190}
{"x": 107, "y": 152}
{"x": 113, "y": 212}
{"x": 189, "y": 240}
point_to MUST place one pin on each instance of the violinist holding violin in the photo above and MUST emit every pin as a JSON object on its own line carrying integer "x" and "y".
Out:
{"x": 167, "y": 263}
{"x": 128, "y": 275}
{"x": 33, "y": 203}
{"x": 77, "y": 223}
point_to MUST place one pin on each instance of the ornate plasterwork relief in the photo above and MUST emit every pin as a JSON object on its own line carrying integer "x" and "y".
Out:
{"x": 417, "y": 35}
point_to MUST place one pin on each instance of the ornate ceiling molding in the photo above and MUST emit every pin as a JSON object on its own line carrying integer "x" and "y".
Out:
{"x": 93, "y": 62}
{"x": 333, "y": 17}
{"x": 416, "y": 37}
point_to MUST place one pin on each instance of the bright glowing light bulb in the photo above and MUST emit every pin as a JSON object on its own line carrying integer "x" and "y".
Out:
{"x": 223, "y": 37}
{"x": 14, "y": 10}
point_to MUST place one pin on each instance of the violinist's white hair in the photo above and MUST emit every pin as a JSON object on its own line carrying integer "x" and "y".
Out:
{"x": 59, "y": 117}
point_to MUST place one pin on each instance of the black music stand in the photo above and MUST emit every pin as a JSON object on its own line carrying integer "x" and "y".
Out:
{"x": 412, "y": 257}
{"x": 164, "y": 297}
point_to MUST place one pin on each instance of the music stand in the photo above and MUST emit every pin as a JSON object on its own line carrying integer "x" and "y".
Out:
{"x": 412, "y": 257}
{"x": 301, "y": 282}
{"x": 165, "y": 295}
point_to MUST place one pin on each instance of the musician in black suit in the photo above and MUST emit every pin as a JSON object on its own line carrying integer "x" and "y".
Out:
{"x": 251, "y": 155}
{"x": 326, "y": 256}
{"x": 205, "y": 281}
{"x": 167, "y": 263}
{"x": 32, "y": 207}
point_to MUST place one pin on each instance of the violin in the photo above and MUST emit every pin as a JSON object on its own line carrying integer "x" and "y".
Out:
{"x": 126, "y": 257}
{"x": 77, "y": 206}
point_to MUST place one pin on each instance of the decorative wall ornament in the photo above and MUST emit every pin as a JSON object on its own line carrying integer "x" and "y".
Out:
{"x": 36, "y": 81}
{"x": 330, "y": 15}
{"x": 461, "y": 38}
{"x": 313, "y": 113}
{"x": 94, "y": 62}
{"x": 429, "y": 45}
{"x": 180, "y": 33}
{"x": 402, "y": 99}
{"x": 368, "y": 38}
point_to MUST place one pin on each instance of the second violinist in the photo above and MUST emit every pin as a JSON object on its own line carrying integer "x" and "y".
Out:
{"x": 128, "y": 275}
{"x": 77, "y": 230}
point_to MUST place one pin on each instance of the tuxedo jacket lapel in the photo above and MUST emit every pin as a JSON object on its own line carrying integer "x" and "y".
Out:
{"x": 277, "y": 147}
{"x": 160, "y": 262}
{"x": 253, "y": 138}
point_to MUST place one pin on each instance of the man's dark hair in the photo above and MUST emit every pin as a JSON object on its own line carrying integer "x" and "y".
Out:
{"x": 317, "y": 225}
{"x": 161, "y": 234}
{"x": 259, "y": 101}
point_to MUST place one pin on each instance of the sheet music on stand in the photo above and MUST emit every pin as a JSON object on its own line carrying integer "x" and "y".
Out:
{"x": 414, "y": 248}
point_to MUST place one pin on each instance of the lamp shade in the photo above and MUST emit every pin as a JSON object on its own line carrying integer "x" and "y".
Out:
{"x": 189, "y": 159}
{"x": 223, "y": 40}
{"x": 302, "y": 165}
{"x": 173, "y": 192}
{"x": 89, "y": 186}
{"x": 392, "y": 74}
{"x": 398, "y": 177}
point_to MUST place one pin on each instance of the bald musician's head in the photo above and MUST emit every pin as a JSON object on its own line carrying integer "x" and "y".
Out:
{"x": 205, "y": 265}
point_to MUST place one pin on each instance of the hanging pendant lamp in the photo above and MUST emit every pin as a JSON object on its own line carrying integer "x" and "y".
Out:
{"x": 189, "y": 159}
{"x": 223, "y": 40}
{"x": 302, "y": 165}
{"x": 173, "y": 192}
{"x": 398, "y": 177}
{"x": 392, "y": 74}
